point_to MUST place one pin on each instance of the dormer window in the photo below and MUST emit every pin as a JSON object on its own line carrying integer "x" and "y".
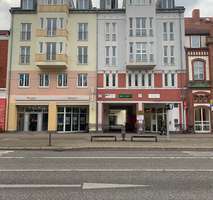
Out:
{"x": 83, "y": 4}
{"x": 27, "y": 4}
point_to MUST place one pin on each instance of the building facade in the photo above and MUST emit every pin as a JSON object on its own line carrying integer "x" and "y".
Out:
{"x": 141, "y": 65}
{"x": 199, "y": 55}
{"x": 4, "y": 40}
{"x": 53, "y": 67}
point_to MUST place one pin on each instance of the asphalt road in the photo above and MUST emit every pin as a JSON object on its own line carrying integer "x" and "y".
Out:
{"x": 106, "y": 175}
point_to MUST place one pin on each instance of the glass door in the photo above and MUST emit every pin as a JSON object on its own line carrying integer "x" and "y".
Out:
{"x": 202, "y": 120}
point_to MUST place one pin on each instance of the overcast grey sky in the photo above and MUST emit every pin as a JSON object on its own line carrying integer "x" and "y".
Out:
{"x": 206, "y": 7}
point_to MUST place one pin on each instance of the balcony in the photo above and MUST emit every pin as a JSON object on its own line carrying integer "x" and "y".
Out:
{"x": 56, "y": 33}
{"x": 56, "y": 61}
{"x": 141, "y": 62}
{"x": 61, "y": 8}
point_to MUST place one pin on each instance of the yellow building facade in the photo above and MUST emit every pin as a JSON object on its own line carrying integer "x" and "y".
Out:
{"x": 52, "y": 69}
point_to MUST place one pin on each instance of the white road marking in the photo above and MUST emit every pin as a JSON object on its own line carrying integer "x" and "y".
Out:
{"x": 199, "y": 153}
{"x": 38, "y": 186}
{"x": 89, "y": 186}
{"x": 5, "y": 152}
{"x": 106, "y": 170}
{"x": 130, "y": 158}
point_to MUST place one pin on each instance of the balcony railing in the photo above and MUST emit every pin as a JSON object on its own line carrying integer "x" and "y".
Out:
{"x": 54, "y": 33}
{"x": 44, "y": 7}
{"x": 51, "y": 60}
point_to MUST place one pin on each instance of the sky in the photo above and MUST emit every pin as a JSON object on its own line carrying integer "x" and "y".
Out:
{"x": 205, "y": 6}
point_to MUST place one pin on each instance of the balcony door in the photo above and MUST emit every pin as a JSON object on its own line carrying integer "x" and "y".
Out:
{"x": 51, "y": 51}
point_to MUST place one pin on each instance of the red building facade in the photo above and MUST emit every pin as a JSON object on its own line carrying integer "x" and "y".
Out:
{"x": 199, "y": 61}
{"x": 4, "y": 37}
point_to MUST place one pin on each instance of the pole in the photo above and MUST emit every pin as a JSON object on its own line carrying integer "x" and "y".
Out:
{"x": 50, "y": 138}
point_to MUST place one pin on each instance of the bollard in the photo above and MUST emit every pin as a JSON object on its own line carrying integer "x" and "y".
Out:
{"x": 123, "y": 133}
{"x": 50, "y": 139}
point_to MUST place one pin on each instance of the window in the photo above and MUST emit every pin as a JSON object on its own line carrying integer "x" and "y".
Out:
{"x": 82, "y": 55}
{"x": 44, "y": 80}
{"x": 166, "y": 80}
{"x": 42, "y": 23}
{"x": 172, "y": 58}
{"x": 51, "y": 26}
{"x": 114, "y": 25}
{"x": 165, "y": 54}
{"x": 27, "y": 4}
{"x": 61, "y": 47}
{"x": 130, "y": 27}
{"x": 167, "y": 4}
{"x": 107, "y": 31}
{"x": 151, "y": 54}
{"x": 165, "y": 38}
{"x": 129, "y": 79}
{"x": 24, "y": 80}
{"x": 141, "y": 52}
{"x": 51, "y": 51}
{"x": 171, "y": 25}
{"x": 141, "y": 26}
{"x": 195, "y": 41}
{"x": 113, "y": 80}
{"x": 149, "y": 80}
{"x": 40, "y": 47}
{"x": 83, "y": 31}
{"x": 107, "y": 80}
{"x": 151, "y": 27}
{"x": 198, "y": 70}
{"x": 83, "y": 4}
{"x": 62, "y": 80}
{"x": 172, "y": 80}
{"x": 61, "y": 20}
{"x": 107, "y": 55}
{"x": 136, "y": 80}
{"x": 143, "y": 80}
{"x": 113, "y": 55}
{"x": 131, "y": 52}
{"x": 169, "y": 80}
{"x": 25, "y": 31}
{"x": 24, "y": 55}
{"x": 82, "y": 80}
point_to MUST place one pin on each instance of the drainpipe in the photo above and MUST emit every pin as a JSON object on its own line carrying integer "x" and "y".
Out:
{"x": 10, "y": 67}
{"x": 96, "y": 89}
{"x": 181, "y": 58}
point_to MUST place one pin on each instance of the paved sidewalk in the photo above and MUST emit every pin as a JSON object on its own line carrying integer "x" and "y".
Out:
{"x": 39, "y": 141}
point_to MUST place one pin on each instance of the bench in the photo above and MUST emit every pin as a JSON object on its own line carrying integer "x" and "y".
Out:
{"x": 144, "y": 136}
{"x": 103, "y": 136}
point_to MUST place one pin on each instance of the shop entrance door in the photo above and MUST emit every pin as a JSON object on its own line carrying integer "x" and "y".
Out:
{"x": 33, "y": 122}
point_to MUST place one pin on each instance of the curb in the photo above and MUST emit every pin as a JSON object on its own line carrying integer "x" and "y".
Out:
{"x": 106, "y": 148}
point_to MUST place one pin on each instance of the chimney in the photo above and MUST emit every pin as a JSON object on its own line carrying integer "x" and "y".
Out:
{"x": 196, "y": 14}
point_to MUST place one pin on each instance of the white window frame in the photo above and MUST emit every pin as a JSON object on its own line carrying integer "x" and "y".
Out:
{"x": 25, "y": 55}
{"x": 82, "y": 81}
{"x": 107, "y": 55}
{"x": 199, "y": 71}
{"x": 83, "y": 58}
{"x": 141, "y": 27}
{"x": 64, "y": 80}
{"x": 26, "y": 30}
{"x": 107, "y": 31}
{"x": 51, "y": 31}
{"x": 42, "y": 80}
{"x": 82, "y": 31}
{"x": 114, "y": 31}
{"x": 26, "y": 80}
{"x": 165, "y": 29}
{"x": 165, "y": 55}
{"x": 114, "y": 55}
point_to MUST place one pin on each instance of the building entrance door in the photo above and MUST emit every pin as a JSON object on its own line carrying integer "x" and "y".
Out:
{"x": 33, "y": 122}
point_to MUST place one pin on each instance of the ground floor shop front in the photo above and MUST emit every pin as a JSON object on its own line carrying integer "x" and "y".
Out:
{"x": 155, "y": 116}
{"x": 63, "y": 118}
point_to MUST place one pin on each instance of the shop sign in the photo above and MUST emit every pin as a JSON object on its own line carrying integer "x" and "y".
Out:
{"x": 110, "y": 96}
{"x": 141, "y": 112}
{"x": 125, "y": 96}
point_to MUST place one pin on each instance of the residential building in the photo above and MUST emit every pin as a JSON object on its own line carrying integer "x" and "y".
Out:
{"x": 141, "y": 65}
{"x": 53, "y": 66}
{"x": 199, "y": 56}
{"x": 4, "y": 38}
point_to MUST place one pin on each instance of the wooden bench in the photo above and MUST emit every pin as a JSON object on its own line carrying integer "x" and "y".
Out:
{"x": 103, "y": 136}
{"x": 144, "y": 136}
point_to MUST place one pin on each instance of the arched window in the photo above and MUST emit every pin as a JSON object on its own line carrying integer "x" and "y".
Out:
{"x": 198, "y": 70}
